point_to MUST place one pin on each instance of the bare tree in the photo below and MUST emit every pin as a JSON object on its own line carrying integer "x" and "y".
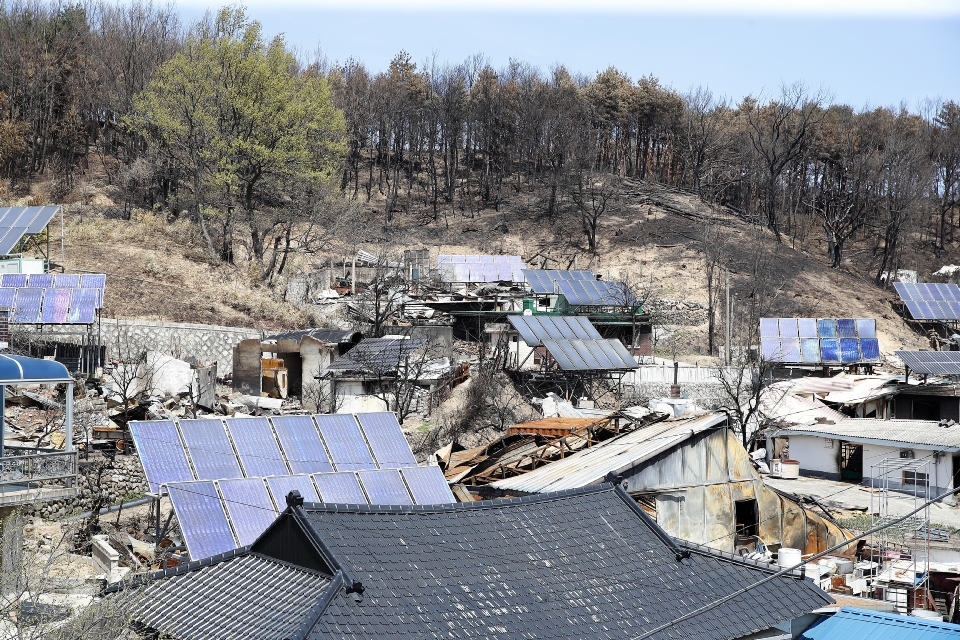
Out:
{"x": 130, "y": 374}
{"x": 743, "y": 385}
{"x": 593, "y": 194}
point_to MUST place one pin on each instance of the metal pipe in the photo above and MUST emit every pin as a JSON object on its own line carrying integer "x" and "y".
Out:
{"x": 125, "y": 505}
{"x": 68, "y": 424}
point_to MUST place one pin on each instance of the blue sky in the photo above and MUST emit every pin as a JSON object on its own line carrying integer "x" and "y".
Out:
{"x": 864, "y": 54}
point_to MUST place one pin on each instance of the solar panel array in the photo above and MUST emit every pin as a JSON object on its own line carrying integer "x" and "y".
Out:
{"x": 580, "y": 288}
{"x": 944, "y": 363}
{"x": 52, "y": 298}
{"x": 16, "y": 222}
{"x": 590, "y": 355}
{"x": 546, "y": 280}
{"x": 927, "y": 301}
{"x": 217, "y": 516}
{"x": 212, "y": 449}
{"x": 480, "y": 268}
{"x": 819, "y": 340}
{"x": 535, "y": 329}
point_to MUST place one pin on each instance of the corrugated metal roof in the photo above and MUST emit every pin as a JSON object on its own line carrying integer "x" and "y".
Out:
{"x": 779, "y": 403}
{"x": 900, "y": 432}
{"x": 535, "y": 329}
{"x": 618, "y": 455}
{"x": 861, "y": 623}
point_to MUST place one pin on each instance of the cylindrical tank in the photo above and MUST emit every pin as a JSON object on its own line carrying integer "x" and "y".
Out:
{"x": 788, "y": 557}
{"x": 789, "y": 469}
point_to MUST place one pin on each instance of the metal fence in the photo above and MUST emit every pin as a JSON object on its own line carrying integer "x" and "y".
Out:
{"x": 23, "y": 468}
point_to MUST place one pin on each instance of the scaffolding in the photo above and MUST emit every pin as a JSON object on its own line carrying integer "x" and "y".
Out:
{"x": 902, "y": 549}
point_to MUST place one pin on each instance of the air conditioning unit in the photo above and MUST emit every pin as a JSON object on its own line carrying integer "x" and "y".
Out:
{"x": 906, "y": 454}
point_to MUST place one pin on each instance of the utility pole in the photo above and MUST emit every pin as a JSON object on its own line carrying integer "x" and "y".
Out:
{"x": 726, "y": 352}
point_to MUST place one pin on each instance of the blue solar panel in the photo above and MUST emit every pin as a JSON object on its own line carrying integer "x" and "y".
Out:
{"x": 248, "y": 504}
{"x": 66, "y": 281}
{"x": 26, "y": 308}
{"x": 390, "y": 448}
{"x": 93, "y": 281}
{"x": 846, "y": 328}
{"x": 7, "y": 296}
{"x": 790, "y": 348}
{"x": 385, "y": 486}
{"x": 810, "y": 349}
{"x": 915, "y": 312}
{"x": 339, "y": 488}
{"x": 870, "y": 349}
{"x": 160, "y": 451}
{"x": 40, "y": 280}
{"x": 770, "y": 349}
{"x": 427, "y": 485}
{"x": 83, "y": 305}
{"x": 281, "y": 486}
{"x": 788, "y": 328}
{"x": 256, "y": 447}
{"x": 202, "y": 520}
{"x": 849, "y": 350}
{"x": 301, "y": 442}
{"x": 866, "y": 328}
{"x": 830, "y": 350}
{"x": 15, "y": 280}
{"x": 207, "y": 444}
{"x": 807, "y": 327}
{"x": 827, "y": 328}
{"x": 345, "y": 442}
{"x": 56, "y": 306}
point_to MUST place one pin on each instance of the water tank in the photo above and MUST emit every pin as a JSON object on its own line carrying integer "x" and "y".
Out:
{"x": 789, "y": 469}
{"x": 788, "y": 557}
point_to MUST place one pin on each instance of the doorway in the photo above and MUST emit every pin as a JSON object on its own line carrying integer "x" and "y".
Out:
{"x": 746, "y": 517}
{"x": 851, "y": 462}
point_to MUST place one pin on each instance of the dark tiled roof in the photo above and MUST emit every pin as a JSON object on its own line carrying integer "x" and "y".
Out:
{"x": 245, "y": 597}
{"x": 581, "y": 563}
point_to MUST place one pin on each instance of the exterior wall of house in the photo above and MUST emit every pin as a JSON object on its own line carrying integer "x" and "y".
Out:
{"x": 818, "y": 456}
{"x": 909, "y": 406}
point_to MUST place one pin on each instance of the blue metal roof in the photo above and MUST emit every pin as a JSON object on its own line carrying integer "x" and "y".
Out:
{"x": 851, "y": 623}
{"x": 20, "y": 369}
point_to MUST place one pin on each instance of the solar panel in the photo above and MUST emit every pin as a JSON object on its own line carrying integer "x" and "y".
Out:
{"x": 40, "y": 280}
{"x": 829, "y": 350}
{"x": 383, "y": 434}
{"x": 281, "y": 486}
{"x": 248, "y": 505}
{"x": 930, "y": 301}
{"x": 345, "y": 443}
{"x": 256, "y": 446}
{"x": 534, "y": 329}
{"x": 385, "y": 486}
{"x": 66, "y": 281}
{"x": 56, "y": 306}
{"x": 849, "y": 350}
{"x": 769, "y": 328}
{"x": 866, "y": 328}
{"x": 946, "y": 363}
{"x": 209, "y": 449}
{"x": 827, "y": 328}
{"x": 339, "y": 488}
{"x": 869, "y": 349}
{"x": 26, "y": 308}
{"x": 83, "y": 305}
{"x": 770, "y": 349}
{"x": 807, "y": 327}
{"x": 161, "y": 453}
{"x": 790, "y": 348}
{"x": 586, "y": 355}
{"x": 788, "y": 328}
{"x": 824, "y": 340}
{"x": 93, "y": 281}
{"x": 202, "y": 520}
{"x": 427, "y": 485}
{"x": 846, "y": 328}
{"x": 302, "y": 445}
{"x": 810, "y": 349}
{"x": 15, "y": 280}
{"x": 7, "y": 296}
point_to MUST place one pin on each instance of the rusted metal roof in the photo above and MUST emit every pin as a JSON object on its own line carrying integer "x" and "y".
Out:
{"x": 615, "y": 455}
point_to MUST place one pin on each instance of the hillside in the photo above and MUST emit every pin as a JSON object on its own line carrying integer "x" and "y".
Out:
{"x": 653, "y": 237}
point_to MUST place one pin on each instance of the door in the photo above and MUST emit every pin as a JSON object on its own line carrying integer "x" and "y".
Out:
{"x": 851, "y": 462}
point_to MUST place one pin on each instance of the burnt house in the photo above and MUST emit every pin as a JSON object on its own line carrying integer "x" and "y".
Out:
{"x": 583, "y": 563}
{"x": 936, "y": 402}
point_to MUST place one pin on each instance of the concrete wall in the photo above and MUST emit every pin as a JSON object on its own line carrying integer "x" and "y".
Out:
{"x": 204, "y": 342}
{"x": 819, "y": 457}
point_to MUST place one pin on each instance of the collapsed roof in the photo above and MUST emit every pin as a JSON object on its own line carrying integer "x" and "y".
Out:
{"x": 377, "y": 355}
{"x": 505, "y": 568}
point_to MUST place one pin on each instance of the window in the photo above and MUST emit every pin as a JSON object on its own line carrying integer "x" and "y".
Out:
{"x": 914, "y": 478}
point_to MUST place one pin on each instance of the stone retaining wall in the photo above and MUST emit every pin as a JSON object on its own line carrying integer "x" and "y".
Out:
{"x": 124, "y": 481}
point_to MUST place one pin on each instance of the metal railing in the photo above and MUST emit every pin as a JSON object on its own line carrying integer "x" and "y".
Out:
{"x": 45, "y": 465}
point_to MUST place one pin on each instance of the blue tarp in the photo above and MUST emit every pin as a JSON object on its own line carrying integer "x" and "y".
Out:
{"x": 850, "y": 623}
{"x": 20, "y": 369}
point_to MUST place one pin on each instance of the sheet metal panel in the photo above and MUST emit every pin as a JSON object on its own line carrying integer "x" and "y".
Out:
{"x": 209, "y": 449}
{"x": 203, "y": 522}
{"x": 257, "y": 447}
{"x": 427, "y": 485}
{"x": 26, "y": 308}
{"x": 385, "y": 486}
{"x": 281, "y": 486}
{"x": 56, "y": 306}
{"x": 83, "y": 305}
{"x": 161, "y": 453}
{"x": 248, "y": 506}
{"x": 390, "y": 448}
{"x": 340, "y": 488}
{"x": 301, "y": 443}
{"x": 346, "y": 444}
